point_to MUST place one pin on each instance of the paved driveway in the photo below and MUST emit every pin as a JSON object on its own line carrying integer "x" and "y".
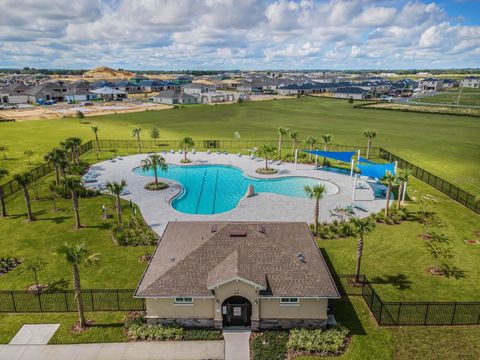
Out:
{"x": 237, "y": 344}
{"x": 175, "y": 350}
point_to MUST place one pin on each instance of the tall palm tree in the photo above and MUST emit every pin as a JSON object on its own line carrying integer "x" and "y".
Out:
{"x": 186, "y": 143}
{"x": 370, "y": 135}
{"x": 76, "y": 254}
{"x": 154, "y": 162}
{"x": 310, "y": 141}
{"x": 58, "y": 157}
{"x": 116, "y": 189}
{"x": 389, "y": 180}
{"x": 402, "y": 178}
{"x": 136, "y": 133}
{"x": 73, "y": 184}
{"x": 281, "y": 132}
{"x": 95, "y": 131}
{"x": 316, "y": 192}
{"x": 326, "y": 139}
{"x": 155, "y": 135}
{"x": 267, "y": 152}
{"x": 72, "y": 144}
{"x": 363, "y": 227}
{"x": 294, "y": 137}
{"x": 3, "y": 208}
{"x": 24, "y": 180}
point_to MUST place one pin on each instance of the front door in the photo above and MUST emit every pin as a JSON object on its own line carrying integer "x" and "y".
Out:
{"x": 236, "y": 311}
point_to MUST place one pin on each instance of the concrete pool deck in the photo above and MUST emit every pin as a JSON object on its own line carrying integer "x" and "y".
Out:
{"x": 157, "y": 210}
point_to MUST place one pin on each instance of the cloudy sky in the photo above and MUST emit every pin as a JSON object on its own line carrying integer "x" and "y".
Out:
{"x": 239, "y": 34}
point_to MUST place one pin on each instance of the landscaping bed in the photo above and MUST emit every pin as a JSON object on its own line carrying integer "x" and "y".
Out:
{"x": 269, "y": 171}
{"x": 154, "y": 187}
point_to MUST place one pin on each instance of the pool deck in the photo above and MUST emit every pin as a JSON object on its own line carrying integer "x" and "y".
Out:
{"x": 157, "y": 211}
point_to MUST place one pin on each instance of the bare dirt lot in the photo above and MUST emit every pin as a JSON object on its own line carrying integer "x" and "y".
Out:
{"x": 69, "y": 110}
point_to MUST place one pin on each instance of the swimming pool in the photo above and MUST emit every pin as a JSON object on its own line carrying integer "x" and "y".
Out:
{"x": 212, "y": 189}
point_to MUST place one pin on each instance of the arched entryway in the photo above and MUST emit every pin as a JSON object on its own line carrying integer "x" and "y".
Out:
{"x": 236, "y": 311}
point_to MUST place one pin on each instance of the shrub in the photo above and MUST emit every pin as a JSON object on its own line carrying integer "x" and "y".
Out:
{"x": 270, "y": 345}
{"x": 152, "y": 187}
{"x": 133, "y": 232}
{"x": 268, "y": 171}
{"x": 82, "y": 192}
{"x": 8, "y": 263}
{"x": 329, "y": 341}
{"x": 202, "y": 334}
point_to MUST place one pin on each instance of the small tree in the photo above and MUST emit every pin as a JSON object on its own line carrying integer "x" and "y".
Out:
{"x": 75, "y": 255}
{"x": 316, "y": 192}
{"x": 35, "y": 265}
{"x": 402, "y": 178}
{"x": 3, "y": 150}
{"x": 155, "y": 135}
{"x": 390, "y": 181}
{"x": 73, "y": 184}
{"x": 186, "y": 143}
{"x": 136, "y": 133}
{"x": 310, "y": 141}
{"x": 294, "y": 137}
{"x": 267, "y": 152}
{"x": 80, "y": 116}
{"x": 326, "y": 139}
{"x": 281, "y": 132}
{"x": 154, "y": 162}
{"x": 370, "y": 135}
{"x": 58, "y": 157}
{"x": 3, "y": 208}
{"x": 24, "y": 180}
{"x": 53, "y": 195}
{"x": 116, "y": 189}
{"x": 441, "y": 252}
{"x": 29, "y": 154}
{"x": 95, "y": 130}
{"x": 362, "y": 227}
{"x": 350, "y": 100}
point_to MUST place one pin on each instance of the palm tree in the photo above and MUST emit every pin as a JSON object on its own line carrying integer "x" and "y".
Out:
{"x": 58, "y": 158}
{"x": 389, "y": 180}
{"x": 24, "y": 180}
{"x": 281, "y": 131}
{"x": 95, "y": 131}
{"x": 3, "y": 208}
{"x": 116, "y": 189}
{"x": 29, "y": 154}
{"x": 136, "y": 133}
{"x": 155, "y": 134}
{"x": 266, "y": 151}
{"x": 316, "y": 192}
{"x": 294, "y": 137}
{"x": 326, "y": 139}
{"x": 310, "y": 141}
{"x": 363, "y": 227}
{"x": 73, "y": 184}
{"x": 76, "y": 254}
{"x": 402, "y": 178}
{"x": 72, "y": 144}
{"x": 154, "y": 162}
{"x": 185, "y": 144}
{"x": 370, "y": 134}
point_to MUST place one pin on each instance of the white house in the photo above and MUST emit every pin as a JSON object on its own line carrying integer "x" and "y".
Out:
{"x": 471, "y": 82}
{"x": 173, "y": 97}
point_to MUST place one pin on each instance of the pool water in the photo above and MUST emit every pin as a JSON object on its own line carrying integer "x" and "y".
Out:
{"x": 212, "y": 189}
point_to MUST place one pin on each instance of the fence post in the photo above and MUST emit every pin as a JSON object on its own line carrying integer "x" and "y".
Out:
{"x": 381, "y": 310}
{"x": 118, "y": 301}
{"x": 39, "y": 300}
{"x": 13, "y": 301}
{"x": 66, "y": 301}
{"x": 91, "y": 297}
{"x": 426, "y": 314}
{"x": 373, "y": 295}
{"x": 398, "y": 315}
{"x": 454, "y": 310}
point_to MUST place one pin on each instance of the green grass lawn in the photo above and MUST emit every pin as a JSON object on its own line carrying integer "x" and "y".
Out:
{"x": 451, "y": 98}
{"x": 446, "y": 145}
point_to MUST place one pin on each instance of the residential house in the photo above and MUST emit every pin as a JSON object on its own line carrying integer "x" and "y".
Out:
{"x": 77, "y": 95}
{"x": 471, "y": 82}
{"x": 173, "y": 97}
{"x": 157, "y": 85}
{"x": 229, "y": 84}
{"x": 14, "y": 94}
{"x": 109, "y": 93}
{"x": 221, "y": 274}
{"x": 49, "y": 91}
{"x": 351, "y": 92}
{"x": 448, "y": 84}
{"x": 430, "y": 84}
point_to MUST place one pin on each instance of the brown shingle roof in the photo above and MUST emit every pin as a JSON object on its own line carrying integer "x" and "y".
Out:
{"x": 195, "y": 256}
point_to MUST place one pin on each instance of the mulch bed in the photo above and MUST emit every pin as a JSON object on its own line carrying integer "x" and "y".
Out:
{"x": 76, "y": 329}
{"x": 290, "y": 355}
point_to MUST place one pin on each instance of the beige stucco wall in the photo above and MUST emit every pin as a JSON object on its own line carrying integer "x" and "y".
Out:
{"x": 236, "y": 288}
{"x": 166, "y": 308}
{"x": 306, "y": 309}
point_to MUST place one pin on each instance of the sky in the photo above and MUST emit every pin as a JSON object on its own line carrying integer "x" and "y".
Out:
{"x": 240, "y": 34}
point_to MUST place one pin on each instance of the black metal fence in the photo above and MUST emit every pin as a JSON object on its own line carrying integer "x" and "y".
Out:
{"x": 409, "y": 313}
{"x": 452, "y": 191}
{"x": 64, "y": 301}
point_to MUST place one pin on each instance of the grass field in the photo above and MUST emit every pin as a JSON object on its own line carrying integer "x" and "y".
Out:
{"x": 454, "y": 98}
{"x": 446, "y": 145}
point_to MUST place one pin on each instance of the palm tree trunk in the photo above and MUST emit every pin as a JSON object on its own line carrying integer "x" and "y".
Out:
{"x": 399, "y": 197}
{"x": 185, "y": 154}
{"x": 266, "y": 163}
{"x": 310, "y": 155}
{"x": 368, "y": 148}
{"x": 317, "y": 210}
{"x": 75, "y": 209}
{"x": 78, "y": 295}
{"x": 26, "y": 195}
{"x": 139, "y": 144}
{"x": 389, "y": 190}
{"x": 57, "y": 175}
{"x": 280, "y": 146}
{"x": 293, "y": 147}
{"x": 359, "y": 258}
{"x": 119, "y": 210}
{"x": 155, "y": 173}
{"x": 3, "y": 208}
{"x": 97, "y": 142}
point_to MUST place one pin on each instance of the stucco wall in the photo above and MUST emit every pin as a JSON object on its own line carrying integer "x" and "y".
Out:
{"x": 236, "y": 288}
{"x": 166, "y": 308}
{"x": 306, "y": 309}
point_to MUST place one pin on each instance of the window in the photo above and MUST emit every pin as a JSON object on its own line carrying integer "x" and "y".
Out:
{"x": 289, "y": 301}
{"x": 183, "y": 300}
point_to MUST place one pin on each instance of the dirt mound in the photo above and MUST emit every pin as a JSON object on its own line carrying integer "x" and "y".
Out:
{"x": 103, "y": 72}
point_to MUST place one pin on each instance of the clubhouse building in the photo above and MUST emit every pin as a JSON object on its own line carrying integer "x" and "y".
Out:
{"x": 263, "y": 275}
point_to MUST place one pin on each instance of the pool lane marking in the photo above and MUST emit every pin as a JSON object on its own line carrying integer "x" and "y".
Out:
{"x": 215, "y": 193}
{"x": 201, "y": 191}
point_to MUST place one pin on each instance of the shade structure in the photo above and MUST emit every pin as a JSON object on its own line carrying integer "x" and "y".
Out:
{"x": 377, "y": 171}
{"x": 344, "y": 156}
{"x": 366, "y": 161}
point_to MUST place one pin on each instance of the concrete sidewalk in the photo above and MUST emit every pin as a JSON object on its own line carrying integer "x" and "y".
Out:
{"x": 171, "y": 350}
{"x": 237, "y": 344}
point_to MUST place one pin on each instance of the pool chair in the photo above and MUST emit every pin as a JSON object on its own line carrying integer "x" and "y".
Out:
{"x": 270, "y": 161}
{"x": 239, "y": 155}
{"x": 194, "y": 151}
{"x": 279, "y": 162}
{"x": 164, "y": 152}
{"x": 125, "y": 192}
{"x": 252, "y": 157}
{"x": 225, "y": 152}
{"x": 172, "y": 151}
{"x": 362, "y": 185}
{"x": 209, "y": 152}
{"x": 359, "y": 207}
{"x": 218, "y": 152}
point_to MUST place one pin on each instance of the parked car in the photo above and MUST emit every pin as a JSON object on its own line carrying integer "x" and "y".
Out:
{"x": 49, "y": 102}
{"x": 8, "y": 107}
{"x": 87, "y": 103}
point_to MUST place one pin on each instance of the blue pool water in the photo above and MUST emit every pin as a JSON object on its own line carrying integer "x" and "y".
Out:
{"x": 212, "y": 189}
